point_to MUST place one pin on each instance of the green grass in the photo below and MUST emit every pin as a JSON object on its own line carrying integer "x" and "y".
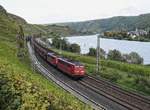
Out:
{"x": 129, "y": 76}
{"x": 35, "y": 91}
{"x": 8, "y": 27}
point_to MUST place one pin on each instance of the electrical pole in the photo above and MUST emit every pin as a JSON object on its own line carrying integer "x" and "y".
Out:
{"x": 98, "y": 54}
{"x": 60, "y": 48}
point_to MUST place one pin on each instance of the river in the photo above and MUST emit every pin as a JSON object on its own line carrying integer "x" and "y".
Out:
{"x": 86, "y": 42}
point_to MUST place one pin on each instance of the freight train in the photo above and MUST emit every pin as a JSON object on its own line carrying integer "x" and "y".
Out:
{"x": 72, "y": 68}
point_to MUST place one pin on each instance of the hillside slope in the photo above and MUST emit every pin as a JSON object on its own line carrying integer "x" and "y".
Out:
{"x": 127, "y": 23}
{"x": 8, "y": 26}
{"x": 10, "y": 23}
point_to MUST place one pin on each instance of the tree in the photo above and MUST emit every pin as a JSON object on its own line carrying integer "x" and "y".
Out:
{"x": 126, "y": 58}
{"x": 75, "y": 48}
{"x": 114, "y": 55}
{"x": 65, "y": 44}
{"x": 92, "y": 52}
{"x": 136, "y": 58}
{"x": 20, "y": 42}
{"x": 102, "y": 53}
{"x": 56, "y": 41}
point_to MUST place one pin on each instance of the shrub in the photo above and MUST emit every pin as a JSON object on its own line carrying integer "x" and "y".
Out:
{"x": 9, "y": 99}
{"x": 143, "y": 84}
{"x": 135, "y": 58}
{"x": 114, "y": 55}
{"x": 110, "y": 74}
{"x": 75, "y": 48}
{"x": 92, "y": 52}
{"x": 134, "y": 69}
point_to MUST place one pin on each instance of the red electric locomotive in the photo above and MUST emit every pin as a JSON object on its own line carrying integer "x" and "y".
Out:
{"x": 72, "y": 68}
{"x": 52, "y": 58}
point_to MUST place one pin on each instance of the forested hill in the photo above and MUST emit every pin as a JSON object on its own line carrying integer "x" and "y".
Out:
{"x": 9, "y": 24}
{"x": 127, "y": 23}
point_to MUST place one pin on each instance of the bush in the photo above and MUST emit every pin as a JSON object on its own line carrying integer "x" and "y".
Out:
{"x": 135, "y": 58}
{"x": 134, "y": 69}
{"x": 75, "y": 48}
{"x": 9, "y": 99}
{"x": 63, "y": 44}
{"x": 110, "y": 74}
{"x": 93, "y": 52}
{"x": 114, "y": 55}
{"x": 102, "y": 53}
{"x": 143, "y": 84}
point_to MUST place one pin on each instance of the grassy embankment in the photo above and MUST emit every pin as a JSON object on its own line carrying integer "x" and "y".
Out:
{"x": 129, "y": 76}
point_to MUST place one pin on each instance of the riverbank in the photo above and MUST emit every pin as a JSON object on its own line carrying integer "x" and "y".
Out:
{"x": 123, "y": 46}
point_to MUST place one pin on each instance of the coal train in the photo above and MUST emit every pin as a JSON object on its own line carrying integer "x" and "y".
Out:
{"x": 72, "y": 68}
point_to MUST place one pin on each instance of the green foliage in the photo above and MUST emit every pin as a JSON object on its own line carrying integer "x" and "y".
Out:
{"x": 117, "y": 35}
{"x": 63, "y": 44}
{"x": 132, "y": 58}
{"x": 8, "y": 27}
{"x": 114, "y": 76}
{"x": 7, "y": 94}
{"x": 131, "y": 68}
{"x": 143, "y": 83}
{"x": 135, "y": 58}
{"x": 114, "y": 55}
{"x": 56, "y": 41}
{"x": 75, "y": 48}
{"x": 92, "y": 52}
{"x": 102, "y": 53}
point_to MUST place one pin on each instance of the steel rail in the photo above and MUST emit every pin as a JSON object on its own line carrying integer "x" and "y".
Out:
{"x": 38, "y": 66}
{"x": 127, "y": 99}
{"x": 100, "y": 86}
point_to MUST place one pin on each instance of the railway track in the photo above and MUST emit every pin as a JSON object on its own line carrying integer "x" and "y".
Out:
{"x": 98, "y": 93}
{"x": 39, "y": 67}
{"x": 130, "y": 100}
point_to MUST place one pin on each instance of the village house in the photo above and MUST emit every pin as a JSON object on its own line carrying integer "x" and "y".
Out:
{"x": 137, "y": 32}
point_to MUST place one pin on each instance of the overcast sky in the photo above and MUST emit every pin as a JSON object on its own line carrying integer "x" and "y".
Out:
{"x": 52, "y": 11}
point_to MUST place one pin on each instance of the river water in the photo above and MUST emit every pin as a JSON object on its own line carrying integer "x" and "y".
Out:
{"x": 86, "y": 42}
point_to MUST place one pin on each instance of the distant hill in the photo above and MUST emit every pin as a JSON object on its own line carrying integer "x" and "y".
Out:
{"x": 9, "y": 26}
{"x": 9, "y": 23}
{"x": 127, "y": 23}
